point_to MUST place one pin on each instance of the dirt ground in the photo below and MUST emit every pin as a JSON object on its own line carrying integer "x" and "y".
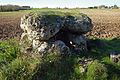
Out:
{"x": 10, "y": 25}
{"x": 106, "y": 23}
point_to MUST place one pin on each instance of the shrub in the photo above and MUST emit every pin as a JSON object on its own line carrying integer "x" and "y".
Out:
{"x": 115, "y": 7}
{"x": 96, "y": 71}
{"x": 5, "y": 8}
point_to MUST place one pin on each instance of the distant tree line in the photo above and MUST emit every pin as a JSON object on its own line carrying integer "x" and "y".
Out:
{"x": 104, "y": 7}
{"x": 5, "y": 8}
{"x": 95, "y": 7}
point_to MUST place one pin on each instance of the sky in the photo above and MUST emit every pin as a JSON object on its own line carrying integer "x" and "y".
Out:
{"x": 61, "y": 3}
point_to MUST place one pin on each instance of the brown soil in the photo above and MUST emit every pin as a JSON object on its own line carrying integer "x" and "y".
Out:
{"x": 106, "y": 23}
{"x": 10, "y": 25}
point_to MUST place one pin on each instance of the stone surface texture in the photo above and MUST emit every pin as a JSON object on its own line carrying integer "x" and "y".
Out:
{"x": 55, "y": 32}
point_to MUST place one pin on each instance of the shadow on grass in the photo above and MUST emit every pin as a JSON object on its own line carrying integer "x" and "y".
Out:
{"x": 55, "y": 68}
{"x": 100, "y": 49}
{"x": 60, "y": 68}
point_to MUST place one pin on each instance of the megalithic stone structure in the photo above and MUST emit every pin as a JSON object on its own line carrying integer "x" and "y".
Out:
{"x": 56, "y": 32}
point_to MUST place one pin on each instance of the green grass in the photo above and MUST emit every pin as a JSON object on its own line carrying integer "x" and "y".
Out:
{"x": 15, "y": 65}
{"x": 102, "y": 54}
{"x": 97, "y": 71}
{"x": 19, "y": 66}
{"x": 53, "y": 16}
{"x": 8, "y": 52}
{"x": 52, "y": 12}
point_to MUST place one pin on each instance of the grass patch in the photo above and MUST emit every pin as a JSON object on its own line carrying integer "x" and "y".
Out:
{"x": 8, "y": 52}
{"x": 97, "y": 71}
{"x": 101, "y": 50}
{"x": 53, "y": 16}
{"x": 56, "y": 67}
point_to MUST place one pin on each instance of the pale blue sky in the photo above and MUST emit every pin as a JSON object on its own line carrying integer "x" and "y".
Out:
{"x": 60, "y": 3}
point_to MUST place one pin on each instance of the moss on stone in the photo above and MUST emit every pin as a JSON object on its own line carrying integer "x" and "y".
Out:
{"x": 53, "y": 16}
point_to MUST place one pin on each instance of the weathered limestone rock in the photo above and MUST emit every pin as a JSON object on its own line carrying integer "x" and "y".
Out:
{"x": 40, "y": 27}
{"x": 83, "y": 63}
{"x": 24, "y": 36}
{"x": 43, "y": 47}
{"x": 115, "y": 57}
{"x": 78, "y": 41}
{"x": 53, "y": 47}
{"x": 59, "y": 47}
{"x": 78, "y": 24}
{"x": 55, "y": 32}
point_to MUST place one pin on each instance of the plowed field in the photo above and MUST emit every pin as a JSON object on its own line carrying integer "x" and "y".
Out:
{"x": 106, "y": 23}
